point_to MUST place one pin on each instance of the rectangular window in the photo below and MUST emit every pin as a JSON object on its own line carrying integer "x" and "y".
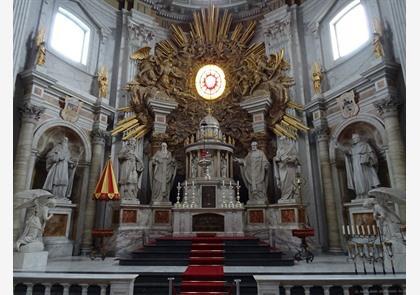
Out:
{"x": 70, "y": 36}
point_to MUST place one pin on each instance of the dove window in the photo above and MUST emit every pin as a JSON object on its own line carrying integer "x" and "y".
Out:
{"x": 349, "y": 29}
{"x": 70, "y": 36}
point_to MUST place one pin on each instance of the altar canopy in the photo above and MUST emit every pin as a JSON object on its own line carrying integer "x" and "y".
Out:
{"x": 107, "y": 188}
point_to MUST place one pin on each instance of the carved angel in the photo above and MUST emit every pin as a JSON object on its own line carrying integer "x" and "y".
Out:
{"x": 383, "y": 210}
{"x": 36, "y": 218}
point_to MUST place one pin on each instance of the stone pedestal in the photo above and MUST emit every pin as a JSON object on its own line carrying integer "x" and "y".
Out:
{"x": 135, "y": 220}
{"x": 35, "y": 261}
{"x": 58, "y": 230}
{"x": 162, "y": 216}
{"x": 257, "y": 105}
{"x": 357, "y": 214}
{"x": 161, "y": 108}
{"x": 189, "y": 222}
{"x": 287, "y": 214}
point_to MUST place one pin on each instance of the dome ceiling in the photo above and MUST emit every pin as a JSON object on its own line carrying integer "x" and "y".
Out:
{"x": 181, "y": 10}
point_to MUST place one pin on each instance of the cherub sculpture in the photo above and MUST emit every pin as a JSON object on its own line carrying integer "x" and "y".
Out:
{"x": 36, "y": 219}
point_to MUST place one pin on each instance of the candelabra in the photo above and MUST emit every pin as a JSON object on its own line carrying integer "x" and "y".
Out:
{"x": 364, "y": 243}
{"x": 178, "y": 204}
{"x": 231, "y": 196}
{"x": 224, "y": 203}
{"x": 185, "y": 201}
{"x": 238, "y": 202}
{"x": 193, "y": 204}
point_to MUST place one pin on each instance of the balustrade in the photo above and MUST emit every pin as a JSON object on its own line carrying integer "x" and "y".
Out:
{"x": 332, "y": 284}
{"x": 29, "y": 283}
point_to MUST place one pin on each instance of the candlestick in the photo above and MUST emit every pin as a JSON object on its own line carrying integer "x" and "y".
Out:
{"x": 185, "y": 202}
{"x": 238, "y": 202}
{"x": 363, "y": 230}
{"x": 178, "y": 204}
{"x": 368, "y": 230}
{"x": 357, "y": 229}
{"x": 348, "y": 229}
{"x": 344, "y": 230}
{"x": 374, "y": 229}
{"x": 352, "y": 229}
{"x": 193, "y": 205}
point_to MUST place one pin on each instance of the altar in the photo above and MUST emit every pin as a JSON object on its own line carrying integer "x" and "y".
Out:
{"x": 210, "y": 196}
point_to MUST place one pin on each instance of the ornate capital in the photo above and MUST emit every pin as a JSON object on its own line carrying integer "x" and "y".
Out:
{"x": 139, "y": 33}
{"x": 322, "y": 132}
{"x": 30, "y": 111}
{"x": 279, "y": 27}
{"x": 388, "y": 107}
{"x": 100, "y": 136}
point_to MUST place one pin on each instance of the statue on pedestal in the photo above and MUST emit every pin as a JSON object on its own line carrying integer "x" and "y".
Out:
{"x": 194, "y": 166}
{"x": 223, "y": 166}
{"x": 59, "y": 165}
{"x": 162, "y": 172}
{"x": 36, "y": 219}
{"x": 285, "y": 167}
{"x": 254, "y": 171}
{"x": 131, "y": 170}
{"x": 361, "y": 166}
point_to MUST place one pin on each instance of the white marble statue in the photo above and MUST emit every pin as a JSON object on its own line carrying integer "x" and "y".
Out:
{"x": 36, "y": 219}
{"x": 194, "y": 166}
{"x": 59, "y": 167}
{"x": 383, "y": 207}
{"x": 254, "y": 170}
{"x": 285, "y": 167}
{"x": 162, "y": 173}
{"x": 361, "y": 166}
{"x": 389, "y": 223}
{"x": 131, "y": 170}
{"x": 223, "y": 166}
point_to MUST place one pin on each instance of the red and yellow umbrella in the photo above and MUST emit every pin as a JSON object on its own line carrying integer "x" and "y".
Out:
{"x": 107, "y": 188}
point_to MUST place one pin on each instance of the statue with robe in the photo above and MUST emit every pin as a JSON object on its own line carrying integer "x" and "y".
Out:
{"x": 223, "y": 166}
{"x": 361, "y": 166}
{"x": 254, "y": 171}
{"x": 131, "y": 170}
{"x": 60, "y": 170}
{"x": 285, "y": 167}
{"x": 194, "y": 166}
{"x": 36, "y": 218}
{"x": 162, "y": 173}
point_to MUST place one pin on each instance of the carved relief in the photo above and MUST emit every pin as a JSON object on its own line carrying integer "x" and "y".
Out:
{"x": 71, "y": 110}
{"x": 348, "y": 105}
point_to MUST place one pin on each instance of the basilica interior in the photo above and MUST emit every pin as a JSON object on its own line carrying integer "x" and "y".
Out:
{"x": 209, "y": 147}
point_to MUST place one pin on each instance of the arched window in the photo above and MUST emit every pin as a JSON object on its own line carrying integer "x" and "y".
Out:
{"x": 349, "y": 29}
{"x": 70, "y": 36}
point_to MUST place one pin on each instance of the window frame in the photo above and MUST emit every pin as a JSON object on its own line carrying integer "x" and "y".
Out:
{"x": 336, "y": 55}
{"x": 87, "y": 40}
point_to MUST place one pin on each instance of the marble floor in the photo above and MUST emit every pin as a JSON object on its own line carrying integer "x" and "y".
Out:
{"x": 80, "y": 264}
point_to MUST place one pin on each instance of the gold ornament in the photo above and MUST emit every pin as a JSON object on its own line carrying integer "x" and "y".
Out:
{"x": 316, "y": 77}
{"x": 378, "y": 49}
{"x": 103, "y": 82}
{"x": 40, "y": 44}
{"x": 170, "y": 73}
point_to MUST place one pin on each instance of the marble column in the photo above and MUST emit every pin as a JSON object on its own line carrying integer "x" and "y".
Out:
{"x": 327, "y": 182}
{"x": 30, "y": 116}
{"x": 388, "y": 108}
{"x": 98, "y": 151}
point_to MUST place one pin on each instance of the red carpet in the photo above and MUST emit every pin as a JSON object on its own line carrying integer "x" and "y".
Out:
{"x": 204, "y": 275}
